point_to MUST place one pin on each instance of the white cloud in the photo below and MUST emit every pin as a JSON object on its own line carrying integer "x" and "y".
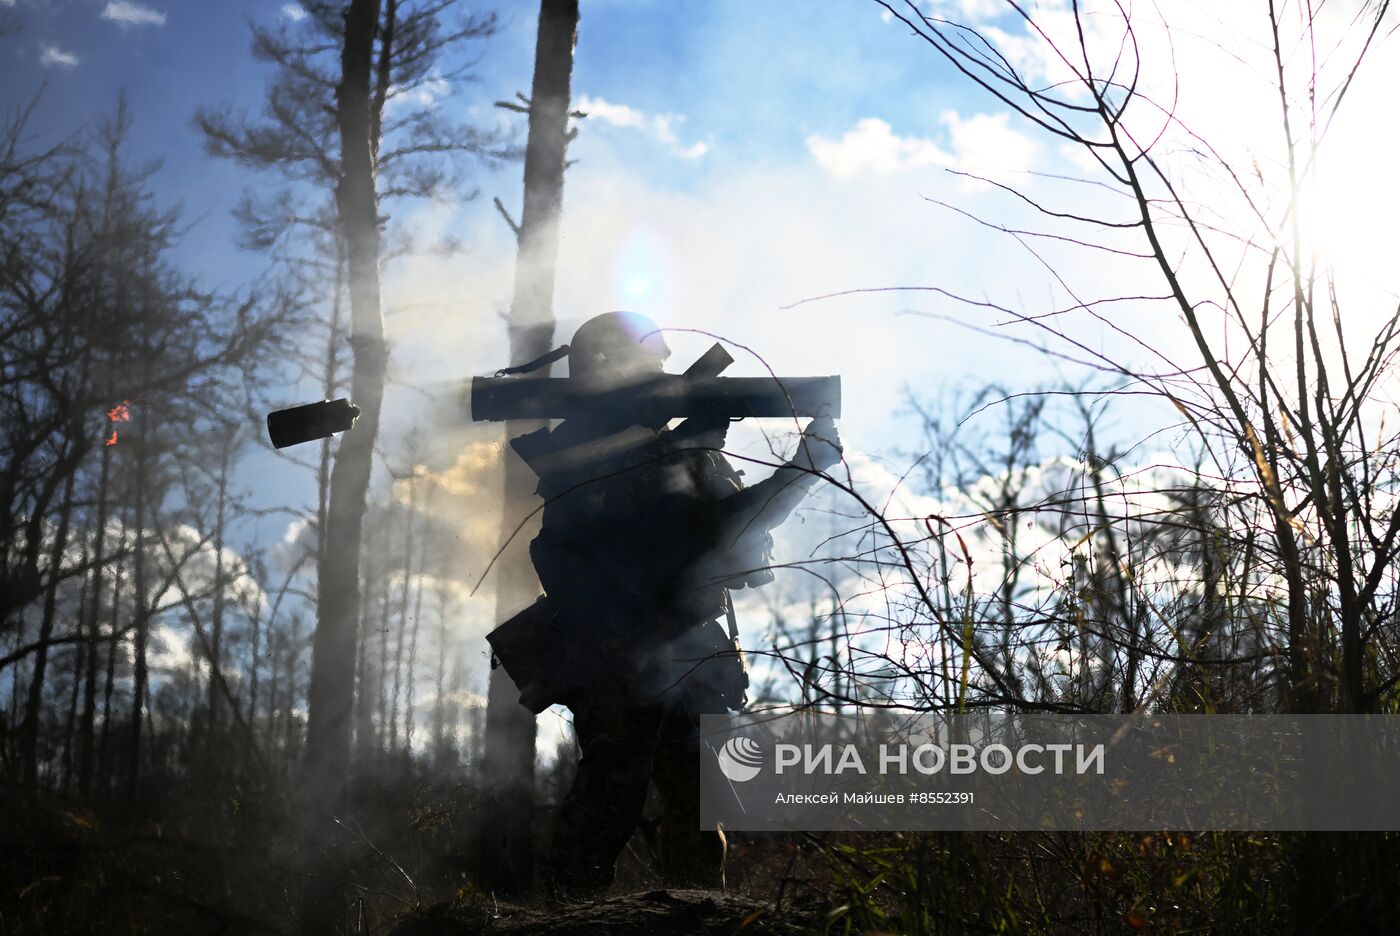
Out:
{"x": 169, "y": 651}
{"x": 53, "y": 55}
{"x": 295, "y": 530}
{"x": 199, "y": 562}
{"x": 871, "y": 147}
{"x": 294, "y": 12}
{"x": 428, "y": 92}
{"x": 982, "y": 142}
{"x": 132, "y": 14}
{"x": 297, "y": 545}
{"x": 661, "y": 127}
{"x": 967, "y": 11}
{"x": 981, "y": 9}
{"x": 619, "y": 115}
{"x": 986, "y": 141}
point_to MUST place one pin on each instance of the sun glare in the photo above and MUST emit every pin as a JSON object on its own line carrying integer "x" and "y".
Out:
{"x": 642, "y": 274}
{"x": 1350, "y": 230}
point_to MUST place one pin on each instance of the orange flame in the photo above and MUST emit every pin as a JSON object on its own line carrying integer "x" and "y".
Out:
{"x": 120, "y": 413}
{"x": 112, "y": 440}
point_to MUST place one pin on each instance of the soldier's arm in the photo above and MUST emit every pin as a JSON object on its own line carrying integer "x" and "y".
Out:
{"x": 768, "y": 503}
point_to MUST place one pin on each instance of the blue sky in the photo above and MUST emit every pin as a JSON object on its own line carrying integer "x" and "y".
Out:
{"x": 751, "y": 80}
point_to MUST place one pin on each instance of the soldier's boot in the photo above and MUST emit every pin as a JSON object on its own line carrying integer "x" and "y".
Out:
{"x": 689, "y": 858}
{"x": 602, "y": 807}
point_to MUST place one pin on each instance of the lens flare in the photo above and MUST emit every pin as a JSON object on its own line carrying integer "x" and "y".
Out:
{"x": 642, "y": 274}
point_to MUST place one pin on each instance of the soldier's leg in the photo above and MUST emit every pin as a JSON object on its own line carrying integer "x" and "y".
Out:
{"x": 689, "y": 857}
{"x": 605, "y": 803}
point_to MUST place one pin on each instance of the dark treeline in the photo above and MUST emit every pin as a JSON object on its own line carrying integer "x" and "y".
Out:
{"x": 156, "y": 638}
{"x": 119, "y": 375}
{"x": 152, "y": 651}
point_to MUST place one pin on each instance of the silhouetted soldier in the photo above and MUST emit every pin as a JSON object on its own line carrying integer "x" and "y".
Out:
{"x": 644, "y": 532}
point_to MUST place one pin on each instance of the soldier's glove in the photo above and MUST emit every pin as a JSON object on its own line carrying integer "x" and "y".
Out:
{"x": 820, "y": 447}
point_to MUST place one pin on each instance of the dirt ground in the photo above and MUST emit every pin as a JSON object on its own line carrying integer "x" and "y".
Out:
{"x": 653, "y": 913}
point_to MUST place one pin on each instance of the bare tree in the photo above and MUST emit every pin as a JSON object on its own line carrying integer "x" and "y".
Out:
{"x": 1286, "y": 388}
{"x": 506, "y": 849}
{"x": 332, "y": 667}
{"x": 328, "y": 122}
{"x": 113, "y": 359}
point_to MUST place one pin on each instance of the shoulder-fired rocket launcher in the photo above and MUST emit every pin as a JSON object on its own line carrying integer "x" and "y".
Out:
{"x": 699, "y": 395}
{"x": 700, "y": 391}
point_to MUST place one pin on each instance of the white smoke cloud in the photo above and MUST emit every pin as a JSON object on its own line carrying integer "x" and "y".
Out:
{"x": 732, "y": 252}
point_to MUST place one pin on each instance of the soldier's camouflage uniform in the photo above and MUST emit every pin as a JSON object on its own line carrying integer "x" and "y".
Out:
{"x": 644, "y": 532}
{"x": 639, "y": 544}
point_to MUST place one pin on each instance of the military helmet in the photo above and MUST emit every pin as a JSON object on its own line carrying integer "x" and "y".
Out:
{"x": 617, "y": 344}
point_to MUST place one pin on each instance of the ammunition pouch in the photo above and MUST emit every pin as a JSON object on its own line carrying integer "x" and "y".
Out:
{"x": 753, "y": 555}
{"x": 526, "y": 646}
{"x": 711, "y": 666}
{"x": 705, "y": 660}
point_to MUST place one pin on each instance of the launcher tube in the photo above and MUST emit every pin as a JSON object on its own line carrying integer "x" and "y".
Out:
{"x": 496, "y": 399}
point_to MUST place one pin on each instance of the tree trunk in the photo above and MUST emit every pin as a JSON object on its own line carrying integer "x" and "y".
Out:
{"x": 29, "y": 728}
{"x": 363, "y": 718}
{"x": 413, "y": 636}
{"x": 331, "y": 694}
{"x": 79, "y": 665}
{"x": 274, "y": 656}
{"x": 289, "y": 698}
{"x": 141, "y": 615}
{"x": 104, "y": 760}
{"x": 440, "y": 683}
{"x": 338, "y": 594}
{"x": 364, "y": 713}
{"x": 254, "y": 655}
{"x": 94, "y": 611}
{"x": 506, "y": 859}
{"x": 381, "y": 673}
{"x": 330, "y": 388}
{"x": 404, "y": 592}
{"x": 216, "y": 617}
